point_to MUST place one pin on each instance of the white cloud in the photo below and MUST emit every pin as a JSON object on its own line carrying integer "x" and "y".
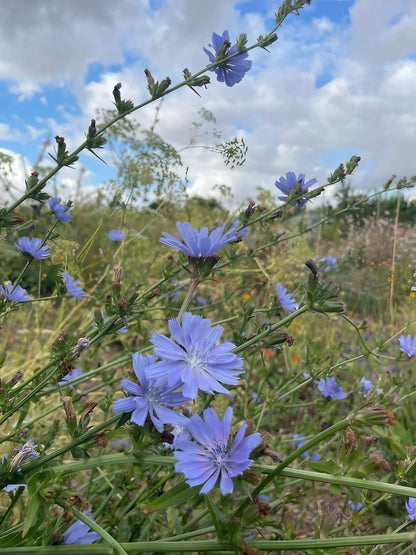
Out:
{"x": 289, "y": 123}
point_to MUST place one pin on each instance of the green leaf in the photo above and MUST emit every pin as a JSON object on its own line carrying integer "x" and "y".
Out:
{"x": 35, "y": 513}
{"x": 219, "y": 519}
{"x": 328, "y": 467}
{"x": 176, "y": 496}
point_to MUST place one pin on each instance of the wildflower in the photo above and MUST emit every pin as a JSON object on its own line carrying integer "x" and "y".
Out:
{"x": 72, "y": 286}
{"x": 195, "y": 360}
{"x": 299, "y": 442}
{"x": 75, "y": 373}
{"x": 367, "y": 386}
{"x": 18, "y": 295}
{"x": 408, "y": 345}
{"x": 79, "y": 532}
{"x": 116, "y": 235}
{"x": 11, "y": 487}
{"x": 230, "y": 71}
{"x": 151, "y": 397}
{"x": 198, "y": 243}
{"x": 286, "y": 299}
{"x": 411, "y": 508}
{"x": 357, "y": 506}
{"x": 242, "y": 232}
{"x": 33, "y": 247}
{"x": 329, "y": 388}
{"x": 214, "y": 456}
{"x": 327, "y": 263}
{"x": 26, "y": 451}
{"x": 59, "y": 209}
{"x": 293, "y": 187}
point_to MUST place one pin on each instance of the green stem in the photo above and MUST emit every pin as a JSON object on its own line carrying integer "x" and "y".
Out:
{"x": 39, "y": 186}
{"x": 38, "y": 463}
{"x": 211, "y": 546}
{"x": 292, "y": 457}
{"x": 188, "y": 298}
{"x": 299, "y": 474}
{"x": 284, "y": 322}
{"x": 97, "y": 528}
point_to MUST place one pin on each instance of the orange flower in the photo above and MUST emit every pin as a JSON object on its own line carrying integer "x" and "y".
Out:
{"x": 267, "y": 353}
{"x": 246, "y": 296}
{"x": 296, "y": 358}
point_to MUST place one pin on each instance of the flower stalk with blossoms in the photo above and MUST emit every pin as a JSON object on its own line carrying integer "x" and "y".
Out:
{"x": 192, "y": 364}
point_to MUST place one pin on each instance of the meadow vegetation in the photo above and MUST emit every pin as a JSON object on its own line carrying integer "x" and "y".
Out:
{"x": 160, "y": 392}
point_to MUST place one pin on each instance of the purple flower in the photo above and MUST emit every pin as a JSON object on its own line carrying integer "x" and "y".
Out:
{"x": 367, "y": 386}
{"x": 195, "y": 360}
{"x": 329, "y": 388}
{"x": 59, "y": 209}
{"x": 116, "y": 235}
{"x": 286, "y": 299}
{"x": 299, "y": 442}
{"x": 11, "y": 487}
{"x": 33, "y": 247}
{"x": 230, "y": 71}
{"x": 328, "y": 262}
{"x": 293, "y": 187}
{"x": 411, "y": 508}
{"x": 355, "y": 506}
{"x": 75, "y": 373}
{"x": 72, "y": 286}
{"x": 198, "y": 243}
{"x": 408, "y": 345}
{"x": 151, "y": 397}
{"x": 79, "y": 532}
{"x": 242, "y": 232}
{"x": 19, "y": 294}
{"x": 215, "y": 456}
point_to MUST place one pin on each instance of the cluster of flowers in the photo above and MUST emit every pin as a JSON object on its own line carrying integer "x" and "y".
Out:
{"x": 38, "y": 249}
{"x": 190, "y": 362}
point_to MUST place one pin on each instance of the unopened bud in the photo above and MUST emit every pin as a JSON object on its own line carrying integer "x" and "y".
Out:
{"x": 241, "y": 42}
{"x": 32, "y": 180}
{"x": 70, "y": 416}
{"x": 118, "y": 272}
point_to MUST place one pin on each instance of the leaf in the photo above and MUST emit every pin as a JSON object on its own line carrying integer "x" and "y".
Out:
{"x": 327, "y": 467}
{"x": 219, "y": 519}
{"x": 35, "y": 513}
{"x": 176, "y": 496}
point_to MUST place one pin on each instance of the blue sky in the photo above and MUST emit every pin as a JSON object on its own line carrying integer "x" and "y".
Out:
{"x": 340, "y": 80}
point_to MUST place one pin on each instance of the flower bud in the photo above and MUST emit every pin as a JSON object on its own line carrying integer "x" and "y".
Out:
{"x": 122, "y": 106}
{"x": 70, "y": 416}
{"x": 241, "y": 42}
{"x": 32, "y": 180}
{"x": 269, "y": 39}
{"x": 94, "y": 140}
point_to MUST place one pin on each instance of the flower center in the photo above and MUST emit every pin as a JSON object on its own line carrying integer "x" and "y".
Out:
{"x": 154, "y": 396}
{"x": 196, "y": 361}
{"x": 218, "y": 455}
